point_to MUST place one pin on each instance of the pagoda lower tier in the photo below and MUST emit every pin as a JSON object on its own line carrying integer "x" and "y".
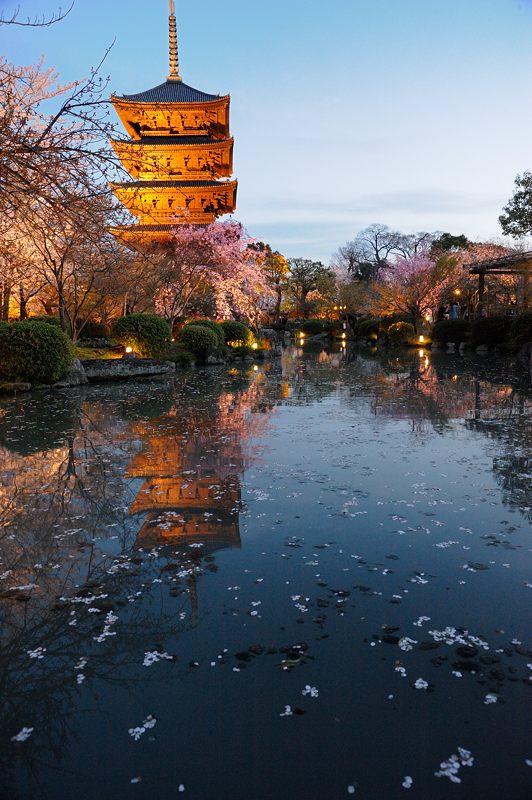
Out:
{"x": 168, "y": 203}
{"x": 159, "y": 158}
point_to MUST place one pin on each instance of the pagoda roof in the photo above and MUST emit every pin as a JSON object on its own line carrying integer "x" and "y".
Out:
{"x": 172, "y": 184}
{"x": 174, "y": 91}
{"x": 175, "y": 140}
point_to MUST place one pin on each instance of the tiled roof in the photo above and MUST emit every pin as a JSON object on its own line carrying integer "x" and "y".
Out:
{"x": 169, "y": 184}
{"x": 151, "y": 140}
{"x": 170, "y": 92}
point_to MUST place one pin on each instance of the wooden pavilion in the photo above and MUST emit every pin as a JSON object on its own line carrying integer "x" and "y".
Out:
{"x": 517, "y": 264}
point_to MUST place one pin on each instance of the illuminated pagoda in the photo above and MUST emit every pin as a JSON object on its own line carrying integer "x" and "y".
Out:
{"x": 179, "y": 155}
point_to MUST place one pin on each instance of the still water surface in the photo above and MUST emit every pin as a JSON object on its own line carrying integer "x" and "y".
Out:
{"x": 310, "y": 580}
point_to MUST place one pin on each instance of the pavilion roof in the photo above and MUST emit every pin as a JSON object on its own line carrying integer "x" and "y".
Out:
{"x": 170, "y": 92}
{"x": 504, "y": 262}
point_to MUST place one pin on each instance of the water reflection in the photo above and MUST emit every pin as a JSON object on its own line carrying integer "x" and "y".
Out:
{"x": 115, "y": 503}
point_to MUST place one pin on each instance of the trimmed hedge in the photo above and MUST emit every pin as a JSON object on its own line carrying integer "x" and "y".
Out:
{"x": 451, "y": 330}
{"x": 199, "y": 339}
{"x": 312, "y": 327}
{"x": 236, "y": 332}
{"x": 48, "y": 318}
{"x": 387, "y": 320}
{"x": 147, "y": 334}
{"x": 34, "y": 351}
{"x": 368, "y": 328}
{"x": 521, "y": 328}
{"x": 93, "y": 330}
{"x": 213, "y": 326}
{"x": 400, "y": 333}
{"x": 490, "y": 331}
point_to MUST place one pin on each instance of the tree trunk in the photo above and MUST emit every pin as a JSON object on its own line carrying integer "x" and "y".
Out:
{"x": 23, "y": 313}
{"x": 277, "y": 311}
{"x": 5, "y": 294}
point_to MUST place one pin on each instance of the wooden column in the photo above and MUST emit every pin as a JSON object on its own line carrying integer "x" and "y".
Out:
{"x": 481, "y": 289}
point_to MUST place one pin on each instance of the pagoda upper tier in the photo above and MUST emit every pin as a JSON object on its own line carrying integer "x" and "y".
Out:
{"x": 179, "y": 152}
{"x": 173, "y": 108}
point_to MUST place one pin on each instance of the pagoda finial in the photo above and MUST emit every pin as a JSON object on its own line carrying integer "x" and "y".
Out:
{"x": 174, "y": 56}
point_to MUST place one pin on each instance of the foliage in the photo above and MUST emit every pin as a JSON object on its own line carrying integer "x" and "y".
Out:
{"x": 374, "y": 250}
{"x": 451, "y": 330}
{"x": 147, "y": 334}
{"x": 199, "y": 339}
{"x": 368, "y": 328}
{"x": 93, "y": 330}
{"x": 48, "y": 319}
{"x": 416, "y": 283}
{"x": 400, "y": 333}
{"x": 179, "y": 354}
{"x": 521, "y": 328}
{"x": 276, "y": 271}
{"x": 236, "y": 332}
{"x": 33, "y": 351}
{"x": 447, "y": 243}
{"x": 490, "y": 331}
{"x": 213, "y": 326}
{"x": 312, "y": 327}
{"x": 215, "y": 262}
{"x": 516, "y": 219}
{"x": 389, "y": 319}
{"x": 242, "y": 350}
{"x": 309, "y": 284}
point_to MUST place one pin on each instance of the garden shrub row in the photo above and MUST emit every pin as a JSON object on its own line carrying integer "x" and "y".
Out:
{"x": 148, "y": 335}
{"x": 498, "y": 330}
{"x": 34, "y": 350}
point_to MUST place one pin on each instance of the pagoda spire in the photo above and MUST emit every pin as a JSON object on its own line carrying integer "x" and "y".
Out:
{"x": 173, "y": 51}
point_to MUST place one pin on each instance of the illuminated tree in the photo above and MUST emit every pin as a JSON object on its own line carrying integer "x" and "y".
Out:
{"x": 309, "y": 282}
{"x": 214, "y": 262}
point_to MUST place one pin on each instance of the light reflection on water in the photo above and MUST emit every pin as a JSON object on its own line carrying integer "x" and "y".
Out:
{"x": 197, "y": 552}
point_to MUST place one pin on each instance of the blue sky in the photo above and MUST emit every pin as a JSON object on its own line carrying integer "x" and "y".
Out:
{"x": 413, "y": 113}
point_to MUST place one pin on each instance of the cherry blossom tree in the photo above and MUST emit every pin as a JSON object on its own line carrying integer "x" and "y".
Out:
{"x": 216, "y": 262}
{"x": 415, "y": 284}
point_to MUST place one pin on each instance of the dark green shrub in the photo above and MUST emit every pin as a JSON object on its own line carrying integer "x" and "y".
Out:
{"x": 312, "y": 327}
{"x": 236, "y": 332}
{"x": 387, "y": 320}
{"x": 199, "y": 339}
{"x": 213, "y": 326}
{"x": 368, "y": 328}
{"x": 521, "y": 328}
{"x": 490, "y": 331}
{"x": 451, "y": 330}
{"x": 400, "y": 333}
{"x": 147, "y": 334}
{"x": 179, "y": 354}
{"x": 46, "y": 318}
{"x": 34, "y": 351}
{"x": 93, "y": 330}
{"x": 242, "y": 350}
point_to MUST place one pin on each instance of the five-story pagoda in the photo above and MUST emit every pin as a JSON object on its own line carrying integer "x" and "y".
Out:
{"x": 178, "y": 155}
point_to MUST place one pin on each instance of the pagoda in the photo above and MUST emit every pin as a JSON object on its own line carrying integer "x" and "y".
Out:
{"x": 179, "y": 155}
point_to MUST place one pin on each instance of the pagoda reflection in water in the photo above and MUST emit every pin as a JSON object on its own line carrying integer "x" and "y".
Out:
{"x": 191, "y": 469}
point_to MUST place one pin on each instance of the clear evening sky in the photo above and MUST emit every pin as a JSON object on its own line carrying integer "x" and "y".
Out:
{"x": 413, "y": 113}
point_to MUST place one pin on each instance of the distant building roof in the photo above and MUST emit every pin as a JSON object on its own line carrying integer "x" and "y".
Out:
{"x": 170, "y": 92}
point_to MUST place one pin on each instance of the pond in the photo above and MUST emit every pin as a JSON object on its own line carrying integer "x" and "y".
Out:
{"x": 305, "y": 579}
